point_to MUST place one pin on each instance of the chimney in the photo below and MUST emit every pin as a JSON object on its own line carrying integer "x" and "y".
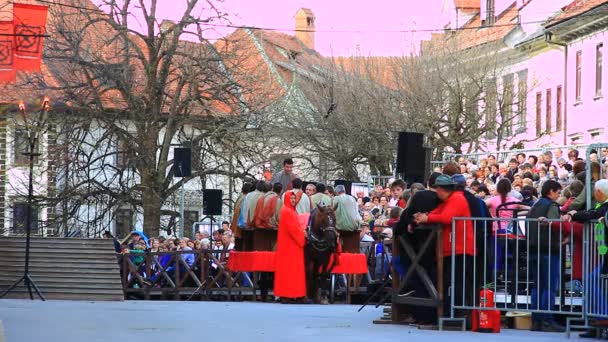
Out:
{"x": 305, "y": 27}
{"x": 490, "y": 12}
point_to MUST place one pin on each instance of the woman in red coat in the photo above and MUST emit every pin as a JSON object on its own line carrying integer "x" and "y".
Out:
{"x": 290, "y": 275}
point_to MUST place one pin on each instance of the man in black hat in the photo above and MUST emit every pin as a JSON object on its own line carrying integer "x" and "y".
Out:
{"x": 423, "y": 201}
{"x": 453, "y": 204}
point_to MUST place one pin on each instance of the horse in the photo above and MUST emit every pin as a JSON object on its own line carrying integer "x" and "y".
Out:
{"x": 321, "y": 244}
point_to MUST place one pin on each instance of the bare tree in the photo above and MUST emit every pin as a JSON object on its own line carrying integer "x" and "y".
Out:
{"x": 345, "y": 120}
{"x": 463, "y": 97}
{"x": 137, "y": 88}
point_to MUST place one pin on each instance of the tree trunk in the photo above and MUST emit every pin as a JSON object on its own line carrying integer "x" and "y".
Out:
{"x": 152, "y": 207}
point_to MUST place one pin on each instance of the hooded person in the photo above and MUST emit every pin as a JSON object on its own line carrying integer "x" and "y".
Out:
{"x": 289, "y": 275}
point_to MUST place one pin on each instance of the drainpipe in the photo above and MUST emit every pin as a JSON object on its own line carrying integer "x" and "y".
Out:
{"x": 548, "y": 37}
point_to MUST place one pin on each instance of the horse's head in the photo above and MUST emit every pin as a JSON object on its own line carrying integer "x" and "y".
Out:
{"x": 324, "y": 223}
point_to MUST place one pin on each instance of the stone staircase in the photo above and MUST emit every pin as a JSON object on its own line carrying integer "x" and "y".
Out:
{"x": 63, "y": 268}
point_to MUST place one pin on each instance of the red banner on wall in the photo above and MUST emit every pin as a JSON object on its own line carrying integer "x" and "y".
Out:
{"x": 29, "y": 28}
{"x": 7, "y": 68}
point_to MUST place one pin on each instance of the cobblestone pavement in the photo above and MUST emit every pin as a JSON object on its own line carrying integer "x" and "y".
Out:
{"x": 150, "y": 321}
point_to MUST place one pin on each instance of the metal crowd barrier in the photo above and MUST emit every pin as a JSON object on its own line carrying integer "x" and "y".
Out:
{"x": 544, "y": 267}
{"x": 596, "y": 271}
{"x": 505, "y": 154}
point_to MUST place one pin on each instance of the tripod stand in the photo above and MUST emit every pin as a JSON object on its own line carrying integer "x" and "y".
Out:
{"x": 26, "y": 278}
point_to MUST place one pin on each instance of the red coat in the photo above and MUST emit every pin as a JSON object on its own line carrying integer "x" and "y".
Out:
{"x": 455, "y": 206}
{"x": 290, "y": 275}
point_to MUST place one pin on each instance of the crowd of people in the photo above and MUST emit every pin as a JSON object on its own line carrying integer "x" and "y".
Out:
{"x": 547, "y": 189}
{"x": 548, "y": 186}
{"x": 136, "y": 244}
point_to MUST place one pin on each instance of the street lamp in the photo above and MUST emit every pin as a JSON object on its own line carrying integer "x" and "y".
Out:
{"x": 32, "y": 138}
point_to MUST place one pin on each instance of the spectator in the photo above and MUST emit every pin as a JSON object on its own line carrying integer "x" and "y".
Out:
{"x": 108, "y": 235}
{"x": 453, "y": 204}
{"x": 544, "y": 257}
{"x": 188, "y": 257}
{"x": 572, "y": 156}
{"x": 600, "y": 299}
{"x": 397, "y": 188}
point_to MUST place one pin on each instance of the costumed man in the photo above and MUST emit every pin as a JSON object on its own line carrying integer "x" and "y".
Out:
{"x": 290, "y": 276}
{"x": 286, "y": 176}
{"x": 320, "y": 197}
{"x": 252, "y": 202}
{"x": 302, "y": 199}
{"x": 238, "y": 206}
{"x": 348, "y": 220}
{"x": 347, "y": 212}
{"x": 259, "y": 208}
{"x": 269, "y": 216}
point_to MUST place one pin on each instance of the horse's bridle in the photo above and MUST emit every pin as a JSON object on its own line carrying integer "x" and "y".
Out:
{"x": 321, "y": 244}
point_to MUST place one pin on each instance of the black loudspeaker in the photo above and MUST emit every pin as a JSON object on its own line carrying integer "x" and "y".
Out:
{"x": 212, "y": 202}
{"x": 348, "y": 185}
{"x": 412, "y": 157}
{"x": 182, "y": 161}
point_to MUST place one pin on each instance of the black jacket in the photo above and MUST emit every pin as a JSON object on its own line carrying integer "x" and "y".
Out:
{"x": 424, "y": 201}
{"x": 593, "y": 214}
{"x": 542, "y": 239}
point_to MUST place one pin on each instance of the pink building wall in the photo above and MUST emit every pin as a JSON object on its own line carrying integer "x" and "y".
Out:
{"x": 545, "y": 73}
{"x": 591, "y": 112}
{"x": 581, "y": 123}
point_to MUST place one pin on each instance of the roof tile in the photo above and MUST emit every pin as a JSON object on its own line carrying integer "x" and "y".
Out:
{"x": 467, "y": 4}
{"x": 576, "y": 8}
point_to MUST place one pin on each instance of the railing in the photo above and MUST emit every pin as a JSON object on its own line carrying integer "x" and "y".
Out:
{"x": 540, "y": 266}
{"x": 168, "y": 274}
{"x": 504, "y": 154}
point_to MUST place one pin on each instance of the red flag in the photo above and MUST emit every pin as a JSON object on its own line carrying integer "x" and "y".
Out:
{"x": 7, "y": 68}
{"x": 30, "y": 22}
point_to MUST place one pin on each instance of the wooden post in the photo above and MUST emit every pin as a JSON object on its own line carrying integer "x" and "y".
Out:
{"x": 439, "y": 255}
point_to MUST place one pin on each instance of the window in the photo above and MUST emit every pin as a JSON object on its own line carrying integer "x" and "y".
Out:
{"x": 548, "y": 112}
{"x": 539, "y": 99}
{"x": 122, "y": 157}
{"x": 190, "y": 218}
{"x": 20, "y": 218}
{"x": 507, "y": 105}
{"x": 22, "y": 145}
{"x": 522, "y": 99}
{"x": 579, "y": 55}
{"x": 598, "y": 69}
{"x": 124, "y": 222}
{"x": 558, "y": 109}
{"x": 596, "y": 133}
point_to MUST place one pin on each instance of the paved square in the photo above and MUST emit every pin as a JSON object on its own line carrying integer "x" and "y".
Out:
{"x": 151, "y": 321}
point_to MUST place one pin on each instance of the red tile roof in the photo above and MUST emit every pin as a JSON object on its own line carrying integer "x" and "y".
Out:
{"x": 381, "y": 70}
{"x": 467, "y": 4}
{"x": 59, "y": 73}
{"x": 576, "y": 8}
{"x": 473, "y": 34}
